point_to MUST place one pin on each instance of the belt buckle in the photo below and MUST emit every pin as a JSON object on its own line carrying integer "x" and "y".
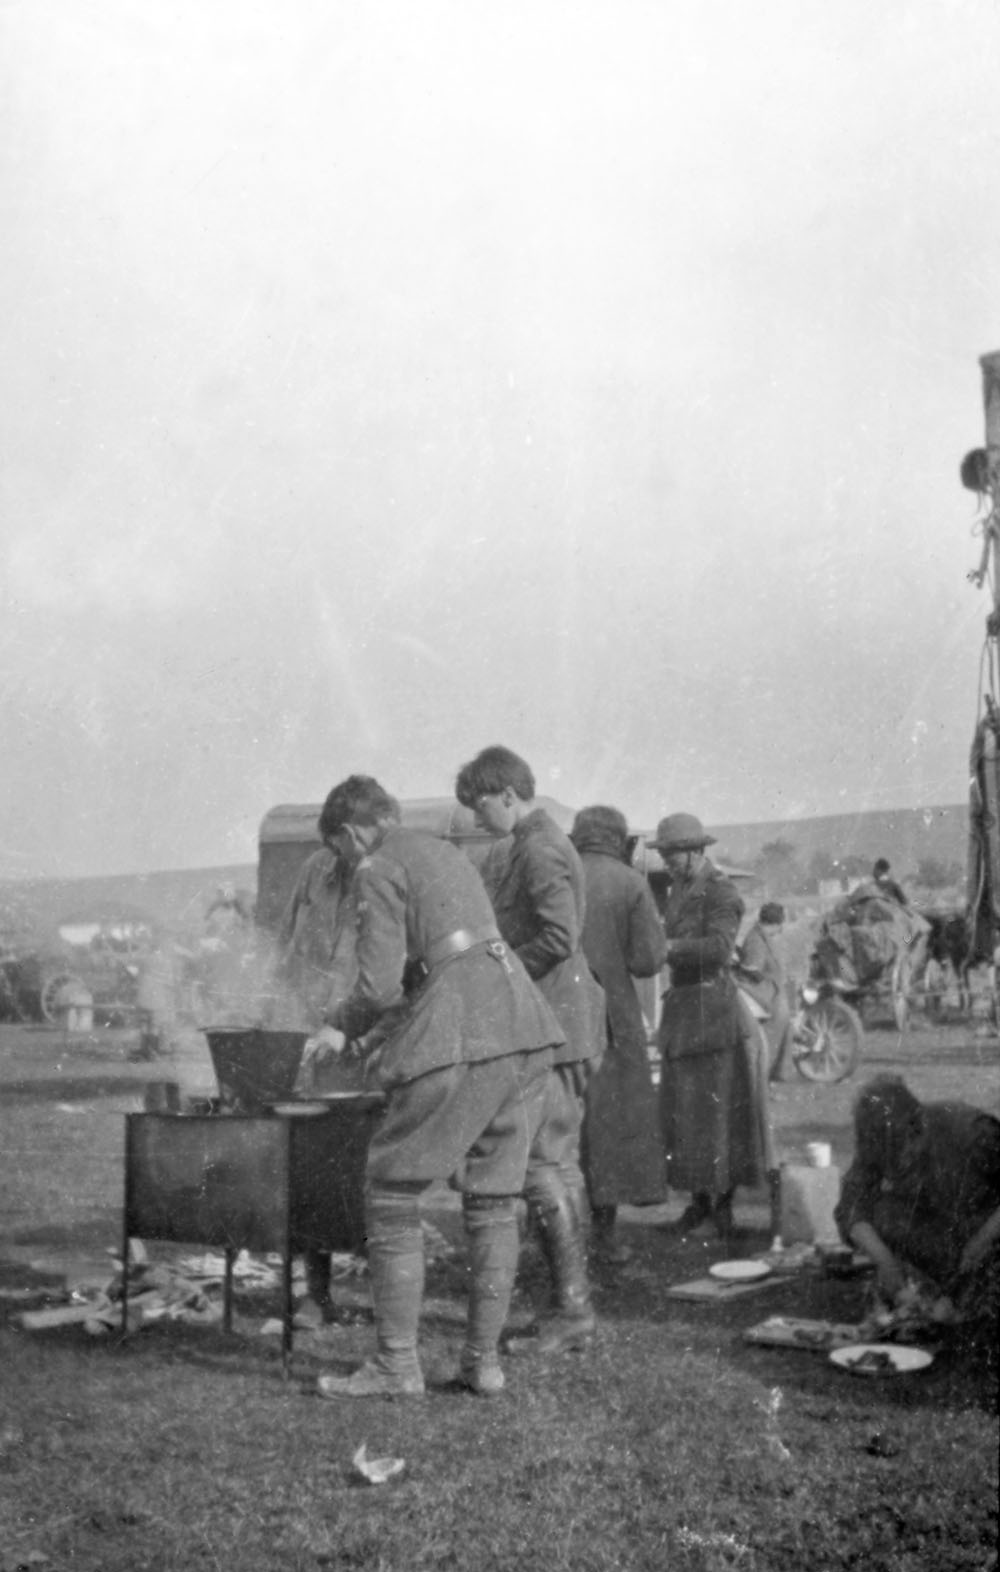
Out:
{"x": 498, "y": 950}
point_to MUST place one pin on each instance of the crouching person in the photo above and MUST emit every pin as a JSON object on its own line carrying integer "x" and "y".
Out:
{"x": 464, "y": 1063}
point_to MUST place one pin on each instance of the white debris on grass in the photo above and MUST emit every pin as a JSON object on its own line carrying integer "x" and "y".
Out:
{"x": 690, "y": 1539}
{"x": 211, "y": 1269}
{"x": 375, "y": 1470}
{"x": 770, "y": 1407}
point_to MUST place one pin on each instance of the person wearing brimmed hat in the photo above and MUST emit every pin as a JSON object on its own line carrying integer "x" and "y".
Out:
{"x": 714, "y": 1125}
{"x": 762, "y": 974}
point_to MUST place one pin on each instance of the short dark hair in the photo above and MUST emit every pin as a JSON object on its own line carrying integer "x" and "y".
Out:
{"x": 491, "y": 772}
{"x": 771, "y": 912}
{"x": 887, "y": 1117}
{"x": 881, "y": 866}
{"x": 600, "y": 828}
{"x": 358, "y": 800}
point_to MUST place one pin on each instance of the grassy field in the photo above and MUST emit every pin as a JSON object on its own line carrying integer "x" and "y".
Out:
{"x": 673, "y": 1445}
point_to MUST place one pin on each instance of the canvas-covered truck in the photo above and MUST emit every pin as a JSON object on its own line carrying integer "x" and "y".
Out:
{"x": 288, "y": 835}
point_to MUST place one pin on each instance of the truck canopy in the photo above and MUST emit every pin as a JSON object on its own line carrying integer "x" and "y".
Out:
{"x": 288, "y": 835}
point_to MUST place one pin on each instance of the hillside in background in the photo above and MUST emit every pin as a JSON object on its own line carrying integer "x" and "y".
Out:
{"x": 906, "y": 836}
{"x": 180, "y": 899}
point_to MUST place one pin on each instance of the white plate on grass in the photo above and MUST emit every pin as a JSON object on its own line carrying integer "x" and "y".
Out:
{"x": 878, "y": 1359}
{"x": 739, "y": 1271}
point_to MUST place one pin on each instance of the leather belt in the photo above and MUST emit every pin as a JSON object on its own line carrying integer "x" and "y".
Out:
{"x": 457, "y": 943}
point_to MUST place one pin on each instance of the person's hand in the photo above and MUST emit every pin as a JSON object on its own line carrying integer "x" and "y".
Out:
{"x": 327, "y": 1044}
{"x": 975, "y": 1253}
{"x": 891, "y": 1278}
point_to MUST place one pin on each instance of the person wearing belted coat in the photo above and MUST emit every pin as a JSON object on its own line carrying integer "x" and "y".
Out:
{"x": 464, "y": 1063}
{"x": 539, "y": 899}
{"x": 713, "y": 1095}
{"x": 622, "y": 939}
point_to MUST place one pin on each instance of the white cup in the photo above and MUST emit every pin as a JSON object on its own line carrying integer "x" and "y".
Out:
{"x": 819, "y": 1154}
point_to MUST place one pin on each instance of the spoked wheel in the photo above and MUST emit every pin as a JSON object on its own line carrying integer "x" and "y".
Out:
{"x": 827, "y": 1041}
{"x": 50, "y": 997}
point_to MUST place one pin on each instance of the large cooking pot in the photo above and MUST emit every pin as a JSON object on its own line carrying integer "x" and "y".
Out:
{"x": 254, "y": 1067}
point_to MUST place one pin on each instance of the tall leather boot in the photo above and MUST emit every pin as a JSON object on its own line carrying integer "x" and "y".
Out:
{"x": 573, "y": 1323}
{"x": 317, "y": 1306}
{"x": 722, "y": 1216}
{"x": 396, "y": 1264}
{"x": 491, "y": 1241}
{"x": 605, "y": 1247}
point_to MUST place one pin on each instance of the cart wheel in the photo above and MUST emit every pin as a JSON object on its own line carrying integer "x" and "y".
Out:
{"x": 827, "y": 1041}
{"x": 52, "y": 987}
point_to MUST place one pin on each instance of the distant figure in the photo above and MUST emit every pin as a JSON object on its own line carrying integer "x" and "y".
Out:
{"x": 316, "y": 965}
{"x": 887, "y": 885}
{"x": 229, "y": 914}
{"x": 226, "y": 970}
{"x": 622, "y": 1156}
{"x": 762, "y": 974}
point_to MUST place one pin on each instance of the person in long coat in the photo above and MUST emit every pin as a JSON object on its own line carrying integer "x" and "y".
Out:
{"x": 464, "y": 1060}
{"x": 622, "y": 939}
{"x": 713, "y": 1097}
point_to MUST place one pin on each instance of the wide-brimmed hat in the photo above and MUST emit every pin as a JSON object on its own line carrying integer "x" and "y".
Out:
{"x": 680, "y": 832}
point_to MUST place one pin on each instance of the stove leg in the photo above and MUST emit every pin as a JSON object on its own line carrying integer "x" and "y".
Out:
{"x": 125, "y": 1243}
{"x": 227, "y": 1292}
{"x": 286, "y": 1322}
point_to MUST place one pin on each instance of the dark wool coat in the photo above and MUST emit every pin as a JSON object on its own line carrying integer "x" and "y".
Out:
{"x": 622, "y": 938}
{"x": 713, "y": 1109}
{"x": 411, "y": 892}
{"x": 926, "y": 1198}
{"x": 539, "y": 900}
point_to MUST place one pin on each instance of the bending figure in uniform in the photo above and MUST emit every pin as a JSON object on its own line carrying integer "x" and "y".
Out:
{"x": 464, "y": 1062}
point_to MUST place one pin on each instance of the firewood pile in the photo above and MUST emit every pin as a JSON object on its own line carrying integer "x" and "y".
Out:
{"x": 187, "y": 1290}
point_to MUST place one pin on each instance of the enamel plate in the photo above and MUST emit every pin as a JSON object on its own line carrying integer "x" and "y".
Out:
{"x": 739, "y": 1271}
{"x": 876, "y": 1359}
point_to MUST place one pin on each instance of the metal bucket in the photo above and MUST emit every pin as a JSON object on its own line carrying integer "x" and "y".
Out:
{"x": 254, "y": 1067}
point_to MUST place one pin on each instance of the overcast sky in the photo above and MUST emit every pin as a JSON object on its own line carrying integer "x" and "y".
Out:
{"x": 381, "y": 381}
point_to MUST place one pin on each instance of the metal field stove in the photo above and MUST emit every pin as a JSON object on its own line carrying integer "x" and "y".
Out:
{"x": 268, "y": 1172}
